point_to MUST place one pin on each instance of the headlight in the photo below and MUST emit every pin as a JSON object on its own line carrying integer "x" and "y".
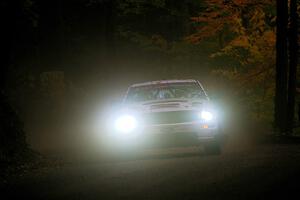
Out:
{"x": 126, "y": 124}
{"x": 207, "y": 116}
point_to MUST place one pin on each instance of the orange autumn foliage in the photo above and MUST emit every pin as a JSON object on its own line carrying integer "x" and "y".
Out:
{"x": 249, "y": 27}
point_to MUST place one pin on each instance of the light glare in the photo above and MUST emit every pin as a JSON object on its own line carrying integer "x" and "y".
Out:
{"x": 206, "y": 115}
{"x": 126, "y": 124}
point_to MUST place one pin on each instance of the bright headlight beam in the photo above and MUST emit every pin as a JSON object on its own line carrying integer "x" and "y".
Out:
{"x": 206, "y": 115}
{"x": 125, "y": 124}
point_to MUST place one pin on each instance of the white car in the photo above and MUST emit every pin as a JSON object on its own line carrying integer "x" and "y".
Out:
{"x": 169, "y": 107}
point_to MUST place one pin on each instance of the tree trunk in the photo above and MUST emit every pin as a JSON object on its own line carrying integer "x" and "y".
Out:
{"x": 281, "y": 67}
{"x": 110, "y": 28}
{"x": 293, "y": 53}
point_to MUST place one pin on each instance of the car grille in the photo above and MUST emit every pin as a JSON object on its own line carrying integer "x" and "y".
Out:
{"x": 170, "y": 117}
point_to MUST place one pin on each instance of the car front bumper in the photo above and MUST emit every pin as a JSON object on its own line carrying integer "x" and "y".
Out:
{"x": 201, "y": 131}
{"x": 168, "y": 135}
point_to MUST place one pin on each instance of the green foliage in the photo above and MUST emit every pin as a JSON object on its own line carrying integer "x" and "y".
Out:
{"x": 158, "y": 28}
{"x": 29, "y": 9}
{"x": 138, "y": 6}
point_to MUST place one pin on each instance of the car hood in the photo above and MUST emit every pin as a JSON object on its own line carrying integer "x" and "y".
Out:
{"x": 166, "y": 105}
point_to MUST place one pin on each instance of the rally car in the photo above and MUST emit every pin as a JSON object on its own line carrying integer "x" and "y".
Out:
{"x": 169, "y": 107}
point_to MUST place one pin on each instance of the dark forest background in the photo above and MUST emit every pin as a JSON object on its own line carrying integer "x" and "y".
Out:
{"x": 64, "y": 62}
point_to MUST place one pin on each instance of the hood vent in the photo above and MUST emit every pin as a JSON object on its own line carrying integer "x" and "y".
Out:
{"x": 159, "y": 106}
{"x": 166, "y": 101}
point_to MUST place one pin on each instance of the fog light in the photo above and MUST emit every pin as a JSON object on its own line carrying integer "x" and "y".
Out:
{"x": 205, "y": 126}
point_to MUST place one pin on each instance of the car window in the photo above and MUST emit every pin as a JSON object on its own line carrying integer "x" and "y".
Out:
{"x": 165, "y": 91}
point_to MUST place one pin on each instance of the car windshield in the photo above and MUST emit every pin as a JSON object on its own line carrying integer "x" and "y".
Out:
{"x": 189, "y": 90}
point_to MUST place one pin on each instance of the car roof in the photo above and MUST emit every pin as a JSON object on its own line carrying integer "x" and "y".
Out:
{"x": 163, "y": 82}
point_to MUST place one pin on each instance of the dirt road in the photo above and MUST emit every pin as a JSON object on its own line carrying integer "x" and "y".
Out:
{"x": 243, "y": 171}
